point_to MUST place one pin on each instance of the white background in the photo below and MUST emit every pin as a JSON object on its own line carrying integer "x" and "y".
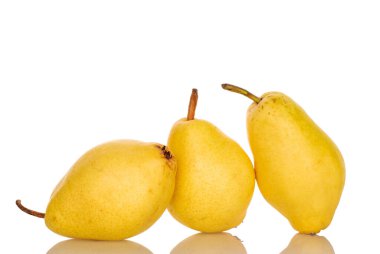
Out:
{"x": 74, "y": 74}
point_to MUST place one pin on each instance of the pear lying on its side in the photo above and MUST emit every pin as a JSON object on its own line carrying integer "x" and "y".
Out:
{"x": 114, "y": 191}
{"x": 215, "y": 177}
{"x": 299, "y": 169}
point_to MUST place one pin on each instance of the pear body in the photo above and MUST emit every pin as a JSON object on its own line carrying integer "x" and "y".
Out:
{"x": 308, "y": 244}
{"x": 215, "y": 177}
{"x": 299, "y": 170}
{"x": 114, "y": 191}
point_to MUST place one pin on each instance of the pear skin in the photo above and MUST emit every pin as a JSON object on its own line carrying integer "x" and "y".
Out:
{"x": 299, "y": 169}
{"x": 215, "y": 177}
{"x": 114, "y": 191}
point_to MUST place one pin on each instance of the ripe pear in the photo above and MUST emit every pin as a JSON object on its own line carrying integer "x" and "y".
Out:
{"x": 299, "y": 169}
{"x": 215, "y": 177}
{"x": 114, "y": 191}
{"x": 217, "y": 243}
{"x": 308, "y": 244}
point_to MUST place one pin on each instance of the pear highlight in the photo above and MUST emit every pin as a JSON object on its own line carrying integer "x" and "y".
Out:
{"x": 114, "y": 191}
{"x": 215, "y": 177}
{"x": 299, "y": 169}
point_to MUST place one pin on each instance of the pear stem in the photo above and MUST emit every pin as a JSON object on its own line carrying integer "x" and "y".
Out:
{"x": 242, "y": 91}
{"x": 28, "y": 211}
{"x": 192, "y": 104}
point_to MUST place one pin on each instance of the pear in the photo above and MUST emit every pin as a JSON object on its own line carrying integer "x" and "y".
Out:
{"x": 215, "y": 177}
{"x": 217, "y": 243}
{"x": 308, "y": 244}
{"x": 299, "y": 169}
{"x": 114, "y": 191}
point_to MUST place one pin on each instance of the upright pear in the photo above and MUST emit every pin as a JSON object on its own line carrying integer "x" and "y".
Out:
{"x": 215, "y": 177}
{"x": 299, "y": 169}
{"x": 114, "y": 191}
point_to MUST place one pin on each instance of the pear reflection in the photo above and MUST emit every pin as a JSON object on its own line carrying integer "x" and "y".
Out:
{"x": 310, "y": 244}
{"x": 220, "y": 243}
{"x": 98, "y": 247}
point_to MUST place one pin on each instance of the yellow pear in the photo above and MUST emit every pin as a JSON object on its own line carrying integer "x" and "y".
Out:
{"x": 299, "y": 170}
{"x": 75, "y": 246}
{"x": 215, "y": 177}
{"x": 308, "y": 244}
{"x": 204, "y": 243}
{"x": 114, "y": 191}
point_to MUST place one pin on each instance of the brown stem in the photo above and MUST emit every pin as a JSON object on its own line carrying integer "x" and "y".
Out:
{"x": 242, "y": 91}
{"x": 192, "y": 104}
{"x": 28, "y": 211}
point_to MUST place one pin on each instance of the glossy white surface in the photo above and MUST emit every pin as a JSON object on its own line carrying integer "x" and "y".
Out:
{"x": 74, "y": 74}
